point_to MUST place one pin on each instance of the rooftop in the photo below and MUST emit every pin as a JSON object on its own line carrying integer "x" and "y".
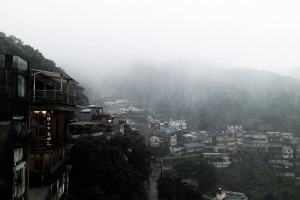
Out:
{"x": 193, "y": 145}
{"x": 235, "y": 196}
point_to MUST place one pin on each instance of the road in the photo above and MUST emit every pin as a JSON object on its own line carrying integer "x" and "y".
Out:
{"x": 153, "y": 194}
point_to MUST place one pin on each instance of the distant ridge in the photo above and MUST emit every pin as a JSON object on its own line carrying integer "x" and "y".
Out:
{"x": 213, "y": 97}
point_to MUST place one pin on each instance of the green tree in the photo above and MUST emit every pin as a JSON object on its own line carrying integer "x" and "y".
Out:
{"x": 116, "y": 168}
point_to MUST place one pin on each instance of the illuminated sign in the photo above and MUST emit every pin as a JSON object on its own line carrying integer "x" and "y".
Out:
{"x": 48, "y": 129}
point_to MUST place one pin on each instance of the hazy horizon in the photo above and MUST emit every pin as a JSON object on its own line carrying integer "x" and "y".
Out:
{"x": 88, "y": 39}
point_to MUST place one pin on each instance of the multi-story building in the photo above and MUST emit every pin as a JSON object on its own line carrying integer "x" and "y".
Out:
{"x": 274, "y": 137}
{"x": 234, "y": 136}
{"x": 156, "y": 141}
{"x": 219, "y": 160}
{"x": 14, "y": 132}
{"x": 219, "y": 140}
{"x": 177, "y": 124}
{"x": 97, "y": 123}
{"x": 87, "y": 113}
{"x": 53, "y": 101}
{"x": 287, "y": 152}
{"x": 256, "y": 140}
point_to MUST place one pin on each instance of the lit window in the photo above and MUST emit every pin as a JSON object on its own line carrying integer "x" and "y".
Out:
{"x": 38, "y": 118}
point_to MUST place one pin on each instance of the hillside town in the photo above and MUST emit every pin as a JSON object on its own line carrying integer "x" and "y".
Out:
{"x": 280, "y": 151}
{"x": 45, "y": 117}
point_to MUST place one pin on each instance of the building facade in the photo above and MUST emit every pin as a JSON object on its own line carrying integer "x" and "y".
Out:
{"x": 52, "y": 105}
{"x": 14, "y": 127}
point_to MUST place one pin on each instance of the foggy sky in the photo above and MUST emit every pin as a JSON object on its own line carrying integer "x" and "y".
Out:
{"x": 93, "y": 36}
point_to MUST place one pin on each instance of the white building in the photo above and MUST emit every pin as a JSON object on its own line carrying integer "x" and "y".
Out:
{"x": 173, "y": 140}
{"x": 177, "y": 124}
{"x": 287, "y": 152}
{"x": 155, "y": 141}
{"x": 176, "y": 150}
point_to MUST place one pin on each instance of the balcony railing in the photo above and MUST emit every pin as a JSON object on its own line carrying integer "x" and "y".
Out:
{"x": 52, "y": 97}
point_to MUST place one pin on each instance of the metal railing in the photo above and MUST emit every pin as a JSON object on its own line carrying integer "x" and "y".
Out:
{"x": 52, "y": 97}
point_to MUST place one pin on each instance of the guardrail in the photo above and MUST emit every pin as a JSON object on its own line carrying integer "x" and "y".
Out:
{"x": 52, "y": 97}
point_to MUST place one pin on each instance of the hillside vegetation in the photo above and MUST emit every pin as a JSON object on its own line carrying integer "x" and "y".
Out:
{"x": 211, "y": 97}
{"x": 113, "y": 169}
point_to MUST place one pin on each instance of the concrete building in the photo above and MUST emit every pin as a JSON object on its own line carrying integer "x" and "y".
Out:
{"x": 287, "y": 152}
{"x": 14, "y": 127}
{"x": 234, "y": 136}
{"x": 193, "y": 147}
{"x": 177, "y": 124}
{"x": 156, "y": 141}
{"x": 97, "y": 123}
{"x": 53, "y": 103}
{"x": 256, "y": 140}
{"x": 86, "y": 113}
{"x": 219, "y": 160}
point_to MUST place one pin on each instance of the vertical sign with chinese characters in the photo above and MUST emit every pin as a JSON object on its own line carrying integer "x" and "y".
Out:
{"x": 48, "y": 129}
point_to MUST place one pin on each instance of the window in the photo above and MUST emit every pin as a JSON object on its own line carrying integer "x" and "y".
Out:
{"x": 20, "y": 63}
{"x": 2, "y": 61}
{"x": 22, "y": 86}
{"x": 38, "y": 118}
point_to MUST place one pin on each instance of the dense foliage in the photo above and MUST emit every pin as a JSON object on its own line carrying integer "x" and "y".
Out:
{"x": 11, "y": 45}
{"x": 200, "y": 171}
{"x": 248, "y": 174}
{"x": 190, "y": 168}
{"x": 109, "y": 169}
{"x": 166, "y": 186}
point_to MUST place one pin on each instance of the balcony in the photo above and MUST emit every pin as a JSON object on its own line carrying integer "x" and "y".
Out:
{"x": 52, "y": 88}
{"x": 52, "y": 97}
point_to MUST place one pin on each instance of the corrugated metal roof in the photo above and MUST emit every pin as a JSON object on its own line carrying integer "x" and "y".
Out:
{"x": 53, "y": 75}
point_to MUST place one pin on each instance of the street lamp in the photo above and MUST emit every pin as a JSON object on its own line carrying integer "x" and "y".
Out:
{"x": 173, "y": 179}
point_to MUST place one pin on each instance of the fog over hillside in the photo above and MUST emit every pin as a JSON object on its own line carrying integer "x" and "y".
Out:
{"x": 209, "y": 97}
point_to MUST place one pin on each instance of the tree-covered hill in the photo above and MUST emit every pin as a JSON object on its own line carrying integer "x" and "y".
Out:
{"x": 210, "y": 97}
{"x": 15, "y": 46}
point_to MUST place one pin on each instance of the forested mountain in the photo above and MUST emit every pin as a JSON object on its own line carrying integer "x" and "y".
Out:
{"x": 210, "y": 97}
{"x": 14, "y": 46}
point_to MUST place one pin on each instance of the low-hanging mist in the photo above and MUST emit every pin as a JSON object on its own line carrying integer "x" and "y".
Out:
{"x": 210, "y": 97}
